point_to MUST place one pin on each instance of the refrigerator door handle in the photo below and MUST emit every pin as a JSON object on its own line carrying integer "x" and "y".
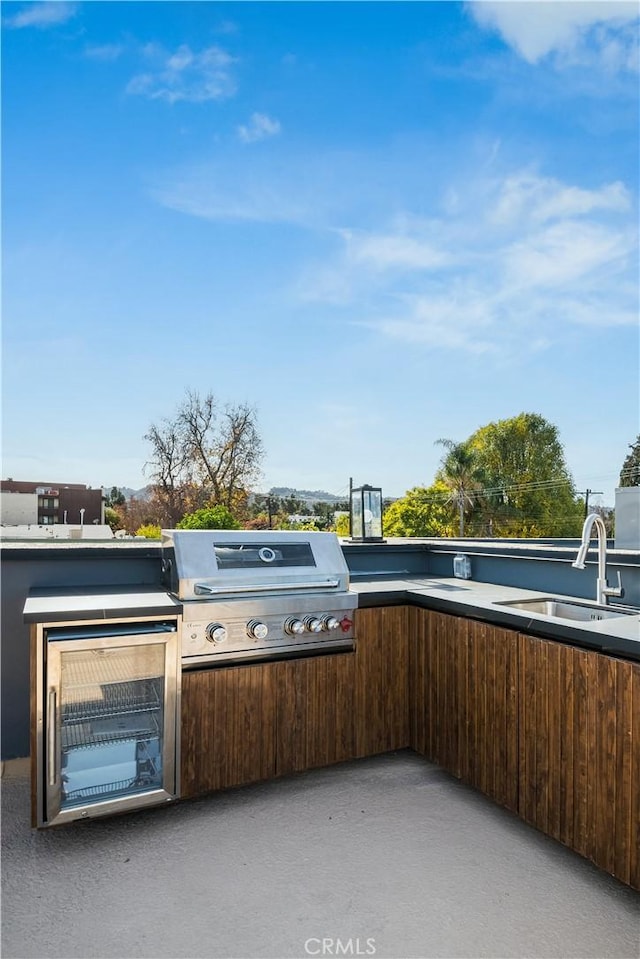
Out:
{"x": 51, "y": 730}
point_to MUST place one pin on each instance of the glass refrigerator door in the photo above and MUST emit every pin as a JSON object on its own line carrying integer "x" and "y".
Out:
{"x": 110, "y": 725}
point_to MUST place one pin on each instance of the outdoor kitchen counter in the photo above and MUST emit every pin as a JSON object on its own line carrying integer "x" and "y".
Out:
{"x": 53, "y": 605}
{"x": 619, "y": 637}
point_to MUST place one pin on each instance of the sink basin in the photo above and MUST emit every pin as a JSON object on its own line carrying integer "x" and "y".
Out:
{"x": 566, "y": 609}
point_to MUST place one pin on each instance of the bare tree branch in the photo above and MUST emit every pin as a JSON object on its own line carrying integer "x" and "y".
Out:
{"x": 205, "y": 455}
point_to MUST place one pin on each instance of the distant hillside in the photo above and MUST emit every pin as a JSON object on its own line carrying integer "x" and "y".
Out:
{"x": 282, "y": 492}
{"x": 143, "y": 493}
{"x": 129, "y": 493}
{"x": 307, "y": 495}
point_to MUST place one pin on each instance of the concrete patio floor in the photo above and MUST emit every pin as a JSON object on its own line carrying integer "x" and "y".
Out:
{"x": 390, "y": 855}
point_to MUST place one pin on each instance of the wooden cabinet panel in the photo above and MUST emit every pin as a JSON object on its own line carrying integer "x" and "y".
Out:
{"x": 463, "y": 700}
{"x": 228, "y": 723}
{"x": 339, "y": 707}
{"x": 314, "y": 725}
{"x": 489, "y": 750}
{"x": 549, "y": 731}
{"x": 246, "y": 723}
{"x": 436, "y": 678}
{"x": 242, "y": 724}
{"x": 381, "y": 701}
{"x": 579, "y": 729}
{"x": 422, "y": 686}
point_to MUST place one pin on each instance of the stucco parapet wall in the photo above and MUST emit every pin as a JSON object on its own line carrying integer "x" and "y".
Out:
{"x": 562, "y": 551}
{"x": 17, "y": 548}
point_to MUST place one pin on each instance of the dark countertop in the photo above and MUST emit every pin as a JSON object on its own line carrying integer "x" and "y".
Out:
{"x": 118, "y": 602}
{"x": 481, "y": 601}
{"x": 619, "y": 636}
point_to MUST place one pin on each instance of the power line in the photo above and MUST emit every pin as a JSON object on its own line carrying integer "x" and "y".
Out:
{"x": 586, "y": 499}
{"x": 533, "y": 487}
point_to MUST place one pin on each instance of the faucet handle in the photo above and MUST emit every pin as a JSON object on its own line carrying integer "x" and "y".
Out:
{"x": 615, "y": 590}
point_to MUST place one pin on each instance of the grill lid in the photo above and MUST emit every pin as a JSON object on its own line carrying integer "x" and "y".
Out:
{"x": 200, "y": 564}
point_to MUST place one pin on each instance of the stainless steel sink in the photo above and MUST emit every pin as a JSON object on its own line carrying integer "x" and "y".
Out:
{"x": 566, "y": 609}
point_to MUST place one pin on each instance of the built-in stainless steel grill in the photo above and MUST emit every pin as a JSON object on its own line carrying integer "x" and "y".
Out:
{"x": 256, "y": 595}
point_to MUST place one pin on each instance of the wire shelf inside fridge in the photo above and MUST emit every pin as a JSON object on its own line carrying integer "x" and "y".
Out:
{"x": 113, "y": 699}
{"x": 110, "y": 769}
{"x": 97, "y": 792}
{"x": 103, "y": 790}
{"x": 105, "y": 666}
{"x": 105, "y": 729}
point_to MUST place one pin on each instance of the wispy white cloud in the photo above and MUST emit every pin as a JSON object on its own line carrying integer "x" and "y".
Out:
{"x": 328, "y": 188}
{"x": 375, "y": 261}
{"x": 106, "y": 52}
{"x": 517, "y": 262}
{"x": 41, "y": 15}
{"x": 595, "y": 32}
{"x": 227, "y": 27}
{"x": 541, "y": 199}
{"x": 229, "y": 192}
{"x": 259, "y": 127}
{"x": 503, "y": 264}
{"x": 309, "y": 190}
{"x": 566, "y": 254}
{"x": 441, "y": 321}
{"x": 397, "y": 251}
{"x": 186, "y": 75}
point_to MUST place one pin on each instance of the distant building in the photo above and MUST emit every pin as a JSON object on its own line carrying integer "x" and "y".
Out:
{"x": 48, "y": 504}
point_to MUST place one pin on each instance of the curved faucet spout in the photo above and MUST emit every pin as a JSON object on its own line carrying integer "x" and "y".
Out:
{"x": 603, "y": 590}
{"x": 592, "y": 518}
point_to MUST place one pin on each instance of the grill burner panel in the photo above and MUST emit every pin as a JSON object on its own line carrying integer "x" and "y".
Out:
{"x": 217, "y": 631}
{"x": 249, "y": 595}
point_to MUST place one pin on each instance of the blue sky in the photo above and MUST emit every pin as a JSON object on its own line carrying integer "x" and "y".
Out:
{"x": 379, "y": 223}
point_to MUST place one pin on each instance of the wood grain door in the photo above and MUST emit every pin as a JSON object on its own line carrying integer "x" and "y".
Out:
{"x": 346, "y": 706}
{"x": 463, "y": 700}
{"x": 579, "y": 732}
{"x": 381, "y": 692}
{"x": 228, "y": 727}
{"x": 314, "y": 722}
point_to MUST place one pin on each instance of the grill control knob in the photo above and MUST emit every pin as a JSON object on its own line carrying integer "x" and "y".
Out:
{"x": 312, "y": 624}
{"x": 257, "y": 630}
{"x": 294, "y": 627}
{"x": 329, "y": 623}
{"x": 216, "y": 633}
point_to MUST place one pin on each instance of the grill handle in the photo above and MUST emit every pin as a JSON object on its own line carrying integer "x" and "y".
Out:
{"x": 202, "y": 588}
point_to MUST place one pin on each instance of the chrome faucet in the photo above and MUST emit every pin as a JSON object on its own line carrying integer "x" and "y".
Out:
{"x": 603, "y": 590}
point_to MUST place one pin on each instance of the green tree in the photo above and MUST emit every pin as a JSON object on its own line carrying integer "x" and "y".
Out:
{"x": 422, "y": 511}
{"x": 293, "y": 505}
{"x": 113, "y": 518}
{"x": 306, "y": 525}
{"x": 261, "y": 521}
{"x": 209, "y": 517}
{"x": 115, "y": 498}
{"x": 342, "y": 525}
{"x": 323, "y": 513}
{"x": 149, "y": 531}
{"x": 264, "y": 511}
{"x": 463, "y": 477}
{"x": 630, "y": 473}
{"x": 528, "y": 490}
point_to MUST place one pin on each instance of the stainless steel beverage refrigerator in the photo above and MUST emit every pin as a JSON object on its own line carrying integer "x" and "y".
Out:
{"x": 106, "y": 710}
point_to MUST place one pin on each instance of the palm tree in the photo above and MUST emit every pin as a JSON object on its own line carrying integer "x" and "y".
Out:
{"x": 460, "y": 472}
